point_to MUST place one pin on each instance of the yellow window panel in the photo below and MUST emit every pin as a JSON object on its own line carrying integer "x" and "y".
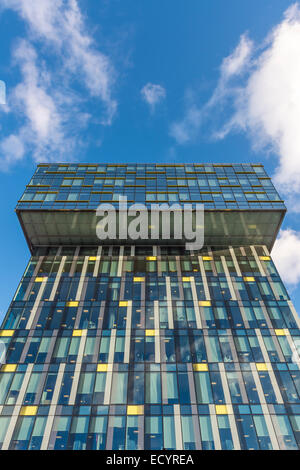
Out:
{"x": 138, "y": 279}
{"x": 28, "y": 410}
{"x": 135, "y": 409}
{"x": 77, "y": 333}
{"x": 186, "y": 279}
{"x": 200, "y": 367}
{"x": 206, "y": 258}
{"x": 93, "y": 258}
{"x": 261, "y": 366}
{"x": 102, "y": 367}
{"x": 72, "y": 304}
{"x": 279, "y": 332}
{"x": 40, "y": 279}
{"x": 150, "y": 332}
{"x": 7, "y": 332}
{"x": 151, "y": 258}
{"x": 204, "y": 303}
{"x": 249, "y": 279}
{"x": 8, "y": 368}
{"x": 221, "y": 410}
{"x": 265, "y": 258}
{"x": 123, "y": 303}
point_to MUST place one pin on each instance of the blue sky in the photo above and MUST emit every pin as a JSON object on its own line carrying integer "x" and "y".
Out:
{"x": 149, "y": 81}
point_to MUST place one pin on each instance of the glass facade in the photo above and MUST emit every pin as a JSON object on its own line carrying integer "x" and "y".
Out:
{"x": 70, "y": 186}
{"x": 59, "y": 204}
{"x": 150, "y": 346}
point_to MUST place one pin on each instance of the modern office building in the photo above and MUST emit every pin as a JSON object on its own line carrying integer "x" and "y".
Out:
{"x": 145, "y": 345}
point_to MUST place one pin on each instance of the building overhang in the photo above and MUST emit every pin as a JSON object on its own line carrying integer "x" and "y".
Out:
{"x": 221, "y": 228}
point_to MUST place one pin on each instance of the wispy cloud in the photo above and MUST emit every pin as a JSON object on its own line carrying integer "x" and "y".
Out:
{"x": 2, "y": 92}
{"x": 153, "y": 94}
{"x": 189, "y": 127}
{"x": 258, "y": 93}
{"x": 57, "y": 59}
{"x": 12, "y": 150}
{"x": 45, "y": 112}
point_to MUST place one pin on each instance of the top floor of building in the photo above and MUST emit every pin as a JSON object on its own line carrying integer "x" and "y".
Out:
{"x": 84, "y": 186}
{"x": 241, "y": 204}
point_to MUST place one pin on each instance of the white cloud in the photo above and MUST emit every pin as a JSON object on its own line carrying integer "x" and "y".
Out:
{"x": 268, "y": 107}
{"x": 52, "y": 109}
{"x": 258, "y": 93}
{"x": 41, "y": 16}
{"x": 12, "y": 149}
{"x": 185, "y": 130}
{"x": 232, "y": 67}
{"x": 2, "y": 92}
{"x": 286, "y": 255}
{"x": 45, "y": 113}
{"x": 236, "y": 62}
{"x": 153, "y": 94}
{"x": 188, "y": 128}
{"x": 31, "y": 94}
{"x": 61, "y": 24}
